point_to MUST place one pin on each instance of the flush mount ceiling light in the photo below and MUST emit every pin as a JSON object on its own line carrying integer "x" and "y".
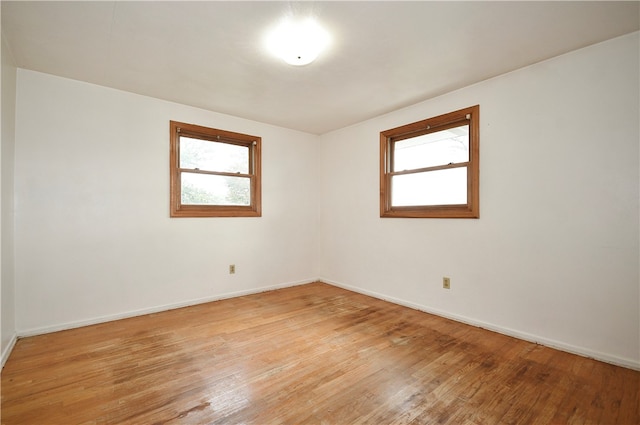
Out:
{"x": 298, "y": 42}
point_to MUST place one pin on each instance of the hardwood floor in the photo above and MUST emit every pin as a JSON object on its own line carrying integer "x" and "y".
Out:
{"x": 312, "y": 354}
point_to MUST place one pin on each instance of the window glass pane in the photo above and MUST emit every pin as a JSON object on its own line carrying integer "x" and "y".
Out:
{"x": 438, "y": 148}
{"x": 441, "y": 187}
{"x": 213, "y": 156}
{"x": 206, "y": 189}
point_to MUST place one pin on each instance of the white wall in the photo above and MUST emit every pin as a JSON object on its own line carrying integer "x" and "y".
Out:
{"x": 554, "y": 257}
{"x": 7, "y": 293}
{"x": 93, "y": 235}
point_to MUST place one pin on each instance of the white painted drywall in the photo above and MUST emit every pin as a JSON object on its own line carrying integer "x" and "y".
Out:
{"x": 93, "y": 235}
{"x": 554, "y": 256}
{"x": 7, "y": 293}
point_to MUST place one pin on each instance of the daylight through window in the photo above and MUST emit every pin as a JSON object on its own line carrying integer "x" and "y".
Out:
{"x": 214, "y": 173}
{"x": 431, "y": 168}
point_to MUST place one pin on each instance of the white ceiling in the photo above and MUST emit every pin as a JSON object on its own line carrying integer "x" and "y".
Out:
{"x": 384, "y": 55}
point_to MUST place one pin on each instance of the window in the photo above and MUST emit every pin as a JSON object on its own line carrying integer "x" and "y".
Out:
{"x": 431, "y": 168}
{"x": 214, "y": 173}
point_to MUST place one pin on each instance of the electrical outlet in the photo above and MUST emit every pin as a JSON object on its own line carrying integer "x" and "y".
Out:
{"x": 232, "y": 269}
{"x": 446, "y": 283}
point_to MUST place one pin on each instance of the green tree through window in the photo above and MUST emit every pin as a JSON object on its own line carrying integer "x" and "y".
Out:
{"x": 214, "y": 172}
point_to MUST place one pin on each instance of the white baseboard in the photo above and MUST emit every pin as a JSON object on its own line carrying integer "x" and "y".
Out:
{"x": 109, "y": 318}
{"x": 7, "y": 350}
{"x": 581, "y": 351}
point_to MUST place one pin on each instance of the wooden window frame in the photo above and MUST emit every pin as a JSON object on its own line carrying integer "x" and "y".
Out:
{"x": 469, "y": 210}
{"x": 254, "y": 144}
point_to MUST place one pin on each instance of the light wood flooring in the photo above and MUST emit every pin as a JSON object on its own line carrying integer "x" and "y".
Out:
{"x": 311, "y": 354}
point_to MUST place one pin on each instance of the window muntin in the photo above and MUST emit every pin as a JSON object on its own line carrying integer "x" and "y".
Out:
{"x": 214, "y": 173}
{"x": 431, "y": 168}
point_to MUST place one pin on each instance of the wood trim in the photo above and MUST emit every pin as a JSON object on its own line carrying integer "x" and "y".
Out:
{"x": 255, "y": 172}
{"x": 439, "y": 123}
{"x": 473, "y": 194}
{"x": 421, "y": 128}
{"x": 213, "y": 134}
{"x": 385, "y": 184}
{"x": 434, "y": 168}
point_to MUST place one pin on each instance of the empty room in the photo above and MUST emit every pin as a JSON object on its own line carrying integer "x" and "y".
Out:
{"x": 320, "y": 212}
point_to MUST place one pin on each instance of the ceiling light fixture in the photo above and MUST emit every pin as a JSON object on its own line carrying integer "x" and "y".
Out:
{"x": 298, "y": 42}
